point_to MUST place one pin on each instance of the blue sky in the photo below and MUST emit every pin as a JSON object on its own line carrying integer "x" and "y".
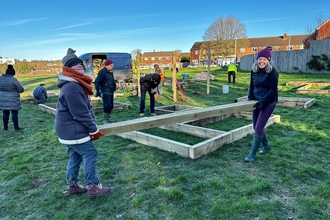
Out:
{"x": 43, "y": 29}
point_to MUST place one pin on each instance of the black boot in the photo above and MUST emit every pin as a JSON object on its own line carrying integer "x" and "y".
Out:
{"x": 265, "y": 145}
{"x": 106, "y": 118}
{"x": 255, "y": 146}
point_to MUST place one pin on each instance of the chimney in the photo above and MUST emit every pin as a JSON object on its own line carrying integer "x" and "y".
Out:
{"x": 285, "y": 36}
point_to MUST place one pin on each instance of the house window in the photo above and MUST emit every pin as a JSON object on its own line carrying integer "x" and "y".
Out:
{"x": 301, "y": 47}
{"x": 167, "y": 58}
{"x": 290, "y": 47}
{"x": 152, "y": 58}
{"x": 242, "y": 50}
{"x": 160, "y": 58}
{"x": 276, "y": 48}
{"x": 254, "y": 49}
{"x": 146, "y": 58}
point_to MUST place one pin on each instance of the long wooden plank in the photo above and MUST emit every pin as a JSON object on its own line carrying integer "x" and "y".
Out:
{"x": 156, "y": 121}
{"x": 193, "y": 130}
{"x": 159, "y": 142}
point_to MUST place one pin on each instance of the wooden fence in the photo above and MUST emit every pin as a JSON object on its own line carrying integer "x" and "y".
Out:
{"x": 293, "y": 60}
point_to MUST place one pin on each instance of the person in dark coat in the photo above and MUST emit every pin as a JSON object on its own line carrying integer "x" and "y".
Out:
{"x": 10, "y": 89}
{"x": 76, "y": 127}
{"x": 263, "y": 89}
{"x": 40, "y": 94}
{"x": 148, "y": 83}
{"x": 105, "y": 86}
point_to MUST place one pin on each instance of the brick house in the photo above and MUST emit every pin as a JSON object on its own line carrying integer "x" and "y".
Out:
{"x": 278, "y": 43}
{"x": 162, "y": 58}
{"x": 322, "y": 32}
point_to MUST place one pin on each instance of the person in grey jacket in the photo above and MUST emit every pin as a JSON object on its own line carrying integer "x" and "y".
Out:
{"x": 75, "y": 126}
{"x": 10, "y": 89}
{"x": 263, "y": 89}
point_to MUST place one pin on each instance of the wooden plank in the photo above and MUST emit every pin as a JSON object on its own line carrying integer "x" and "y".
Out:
{"x": 209, "y": 145}
{"x": 47, "y": 109}
{"x": 156, "y": 121}
{"x": 192, "y": 130}
{"x": 155, "y": 141}
{"x": 309, "y": 103}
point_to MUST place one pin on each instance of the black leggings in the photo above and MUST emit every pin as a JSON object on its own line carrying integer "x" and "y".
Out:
{"x": 14, "y": 118}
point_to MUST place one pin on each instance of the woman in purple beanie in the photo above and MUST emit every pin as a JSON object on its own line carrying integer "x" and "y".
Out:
{"x": 263, "y": 88}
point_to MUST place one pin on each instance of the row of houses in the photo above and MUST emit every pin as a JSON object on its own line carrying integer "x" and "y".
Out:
{"x": 198, "y": 55}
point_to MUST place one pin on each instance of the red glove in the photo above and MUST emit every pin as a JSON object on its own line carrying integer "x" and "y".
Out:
{"x": 96, "y": 136}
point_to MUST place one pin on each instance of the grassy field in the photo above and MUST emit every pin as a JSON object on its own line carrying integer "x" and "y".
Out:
{"x": 292, "y": 181}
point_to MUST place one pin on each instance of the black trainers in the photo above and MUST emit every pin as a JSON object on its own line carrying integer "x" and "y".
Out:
{"x": 19, "y": 129}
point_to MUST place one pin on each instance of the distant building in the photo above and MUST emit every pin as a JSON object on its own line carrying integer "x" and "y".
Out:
{"x": 6, "y": 60}
{"x": 322, "y": 32}
{"x": 162, "y": 58}
{"x": 279, "y": 43}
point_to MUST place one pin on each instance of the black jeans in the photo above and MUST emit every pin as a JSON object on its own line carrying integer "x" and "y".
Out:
{"x": 143, "y": 99}
{"x": 231, "y": 73}
{"x": 14, "y": 118}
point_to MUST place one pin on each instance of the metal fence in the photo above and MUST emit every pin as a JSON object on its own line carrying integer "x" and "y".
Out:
{"x": 294, "y": 60}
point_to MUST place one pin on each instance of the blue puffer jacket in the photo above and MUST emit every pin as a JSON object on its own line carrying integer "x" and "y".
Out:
{"x": 263, "y": 86}
{"x": 10, "y": 89}
{"x": 105, "y": 82}
{"x": 74, "y": 119}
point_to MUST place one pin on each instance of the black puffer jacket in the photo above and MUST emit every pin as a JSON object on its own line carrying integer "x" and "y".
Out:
{"x": 263, "y": 86}
{"x": 150, "y": 81}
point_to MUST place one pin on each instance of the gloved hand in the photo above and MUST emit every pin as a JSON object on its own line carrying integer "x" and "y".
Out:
{"x": 97, "y": 94}
{"x": 259, "y": 105}
{"x": 96, "y": 136}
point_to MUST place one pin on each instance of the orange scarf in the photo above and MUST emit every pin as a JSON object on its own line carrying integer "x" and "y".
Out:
{"x": 84, "y": 80}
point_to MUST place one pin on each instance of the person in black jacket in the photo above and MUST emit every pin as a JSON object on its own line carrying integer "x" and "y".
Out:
{"x": 105, "y": 82}
{"x": 148, "y": 84}
{"x": 263, "y": 88}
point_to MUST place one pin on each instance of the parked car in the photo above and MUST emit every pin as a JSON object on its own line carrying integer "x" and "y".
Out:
{"x": 192, "y": 66}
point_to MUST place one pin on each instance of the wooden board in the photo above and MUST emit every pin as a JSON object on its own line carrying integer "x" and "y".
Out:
{"x": 159, "y": 120}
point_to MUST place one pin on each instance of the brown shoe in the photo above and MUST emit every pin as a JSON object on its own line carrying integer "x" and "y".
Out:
{"x": 97, "y": 190}
{"x": 76, "y": 189}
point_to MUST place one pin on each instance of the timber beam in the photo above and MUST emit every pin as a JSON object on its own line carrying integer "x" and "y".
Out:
{"x": 188, "y": 115}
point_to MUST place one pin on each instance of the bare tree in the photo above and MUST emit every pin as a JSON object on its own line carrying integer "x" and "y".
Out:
{"x": 224, "y": 36}
{"x": 134, "y": 53}
{"x": 318, "y": 21}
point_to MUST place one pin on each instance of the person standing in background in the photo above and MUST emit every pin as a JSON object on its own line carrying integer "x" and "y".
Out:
{"x": 10, "y": 89}
{"x": 232, "y": 71}
{"x": 40, "y": 94}
{"x": 105, "y": 86}
{"x": 263, "y": 89}
{"x": 75, "y": 126}
{"x": 162, "y": 78}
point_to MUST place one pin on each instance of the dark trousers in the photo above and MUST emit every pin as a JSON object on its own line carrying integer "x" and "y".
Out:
{"x": 14, "y": 118}
{"x": 143, "y": 100}
{"x": 107, "y": 103}
{"x": 40, "y": 98}
{"x": 260, "y": 118}
{"x": 231, "y": 73}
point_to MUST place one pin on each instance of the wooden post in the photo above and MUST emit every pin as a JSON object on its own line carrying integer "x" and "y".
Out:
{"x": 208, "y": 71}
{"x": 174, "y": 76}
{"x": 138, "y": 61}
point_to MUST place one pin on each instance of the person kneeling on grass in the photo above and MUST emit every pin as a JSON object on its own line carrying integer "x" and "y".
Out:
{"x": 75, "y": 126}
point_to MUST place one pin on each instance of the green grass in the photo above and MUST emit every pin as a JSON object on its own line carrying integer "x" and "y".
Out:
{"x": 291, "y": 181}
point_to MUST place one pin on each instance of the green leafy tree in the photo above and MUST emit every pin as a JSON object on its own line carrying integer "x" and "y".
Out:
{"x": 23, "y": 68}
